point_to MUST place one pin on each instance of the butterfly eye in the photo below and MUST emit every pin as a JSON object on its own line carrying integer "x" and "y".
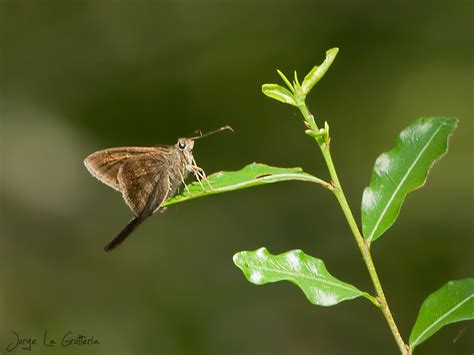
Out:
{"x": 181, "y": 146}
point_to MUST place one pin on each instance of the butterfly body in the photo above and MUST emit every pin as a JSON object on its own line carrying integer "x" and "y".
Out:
{"x": 146, "y": 177}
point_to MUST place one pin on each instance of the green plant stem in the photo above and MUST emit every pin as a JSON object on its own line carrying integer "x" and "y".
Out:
{"x": 363, "y": 246}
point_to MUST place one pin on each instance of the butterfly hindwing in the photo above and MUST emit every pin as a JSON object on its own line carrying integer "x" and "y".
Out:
{"x": 144, "y": 183}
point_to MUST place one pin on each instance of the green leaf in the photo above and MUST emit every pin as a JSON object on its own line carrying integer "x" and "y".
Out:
{"x": 454, "y": 302}
{"x": 279, "y": 93}
{"x": 251, "y": 175}
{"x": 318, "y": 71}
{"x": 308, "y": 273}
{"x": 402, "y": 170}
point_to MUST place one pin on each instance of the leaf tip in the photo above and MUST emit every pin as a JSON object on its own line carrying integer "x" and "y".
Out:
{"x": 332, "y": 52}
{"x": 236, "y": 258}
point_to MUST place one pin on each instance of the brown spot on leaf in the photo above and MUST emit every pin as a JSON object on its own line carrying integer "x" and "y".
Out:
{"x": 259, "y": 176}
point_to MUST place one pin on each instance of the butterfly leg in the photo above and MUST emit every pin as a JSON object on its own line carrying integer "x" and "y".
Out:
{"x": 184, "y": 183}
{"x": 195, "y": 170}
{"x": 201, "y": 175}
{"x": 199, "y": 171}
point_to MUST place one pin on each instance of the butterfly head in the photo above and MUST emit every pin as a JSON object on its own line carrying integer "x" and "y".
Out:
{"x": 185, "y": 145}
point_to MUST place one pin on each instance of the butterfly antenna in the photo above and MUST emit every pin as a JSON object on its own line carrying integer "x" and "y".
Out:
{"x": 213, "y": 132}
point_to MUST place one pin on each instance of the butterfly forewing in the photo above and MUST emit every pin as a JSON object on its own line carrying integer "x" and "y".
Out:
{"x": 105, "y": 164}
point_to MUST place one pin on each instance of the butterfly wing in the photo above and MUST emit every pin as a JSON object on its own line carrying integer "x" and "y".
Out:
{"x": 105, "y": 164}
{"x": 144, "y": 182}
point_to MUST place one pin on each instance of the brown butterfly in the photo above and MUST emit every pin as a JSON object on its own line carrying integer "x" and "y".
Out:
{"x": 146, "y": 176}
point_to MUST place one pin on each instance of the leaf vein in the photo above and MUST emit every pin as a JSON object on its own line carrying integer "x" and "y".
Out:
{"x": 269, "y": 178}
{"x": 353, "y": 289}
{"x": 441, "y": 318}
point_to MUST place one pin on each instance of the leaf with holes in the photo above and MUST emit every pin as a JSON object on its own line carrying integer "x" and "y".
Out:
{"x": 454, "y": 302}
{"x": 401, "y": 170}
{"x": 251, "y": 175}
{"x": 308, "y": 273}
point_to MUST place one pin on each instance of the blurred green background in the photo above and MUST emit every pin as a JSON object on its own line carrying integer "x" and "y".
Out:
{"x": 79, "y": 76}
